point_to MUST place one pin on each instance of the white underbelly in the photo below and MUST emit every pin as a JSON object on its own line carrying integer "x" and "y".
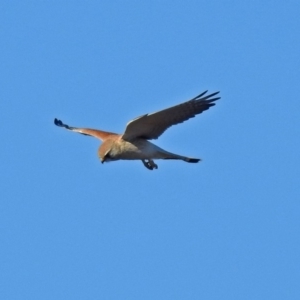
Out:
{"x": 140, "y": 149}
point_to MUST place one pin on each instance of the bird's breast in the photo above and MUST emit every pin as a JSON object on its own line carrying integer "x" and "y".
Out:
{"x": 136, "y": 149}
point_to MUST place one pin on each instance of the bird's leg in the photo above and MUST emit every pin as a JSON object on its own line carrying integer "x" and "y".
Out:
{"x": 152, "y": 164}
{"x": 149, "y": 164}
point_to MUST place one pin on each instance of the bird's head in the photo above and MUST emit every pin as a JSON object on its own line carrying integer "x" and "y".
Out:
{"x": 106, "y": 152}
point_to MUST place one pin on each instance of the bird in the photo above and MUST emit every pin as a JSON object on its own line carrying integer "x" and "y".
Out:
{"x": 134, "y": 143}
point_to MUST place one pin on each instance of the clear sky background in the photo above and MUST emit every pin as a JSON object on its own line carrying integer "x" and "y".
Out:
{"x": 226, "y": 228}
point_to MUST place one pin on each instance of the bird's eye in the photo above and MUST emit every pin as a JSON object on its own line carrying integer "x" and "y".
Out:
{"x": 107, "y": 155}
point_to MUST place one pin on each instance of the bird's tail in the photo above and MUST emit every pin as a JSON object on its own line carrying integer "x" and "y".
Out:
{"x": 163, "y": 154}
{"x": 186, "y": 159}
{"x": 169, "y": 155}
{"x": 191, "y": 160}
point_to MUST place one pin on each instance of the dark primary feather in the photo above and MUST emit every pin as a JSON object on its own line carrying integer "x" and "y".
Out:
{"x": 151, "y": 126}
{"x": 59, "y": 123}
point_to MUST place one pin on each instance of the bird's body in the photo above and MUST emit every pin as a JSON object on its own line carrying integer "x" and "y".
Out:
{"x": 134, "y": 144}
{"x": 136, "y": 149}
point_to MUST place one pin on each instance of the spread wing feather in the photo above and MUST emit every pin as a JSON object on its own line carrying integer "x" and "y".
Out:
{"x": 151, "y": 126}
{"x": 99, "y": 134}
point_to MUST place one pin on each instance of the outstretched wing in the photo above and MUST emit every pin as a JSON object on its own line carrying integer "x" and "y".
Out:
{"x": 151, "y": 126}
{"x": 102, "y": 135}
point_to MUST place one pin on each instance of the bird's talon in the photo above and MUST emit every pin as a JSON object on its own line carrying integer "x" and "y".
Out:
{"x": 149, "y": 164}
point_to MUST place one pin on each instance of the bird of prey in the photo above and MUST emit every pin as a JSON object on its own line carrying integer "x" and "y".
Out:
{"x": 133, "y": 144}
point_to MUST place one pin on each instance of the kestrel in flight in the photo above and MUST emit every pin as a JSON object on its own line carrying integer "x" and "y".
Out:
{"x": 133, "y": 144}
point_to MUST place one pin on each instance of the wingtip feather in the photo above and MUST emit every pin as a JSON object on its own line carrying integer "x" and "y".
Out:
{"x": 58, "y": 122}
{"x": 207, "y": 97}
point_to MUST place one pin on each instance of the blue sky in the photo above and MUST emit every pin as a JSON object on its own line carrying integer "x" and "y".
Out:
{"x": 226, "y": 228}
